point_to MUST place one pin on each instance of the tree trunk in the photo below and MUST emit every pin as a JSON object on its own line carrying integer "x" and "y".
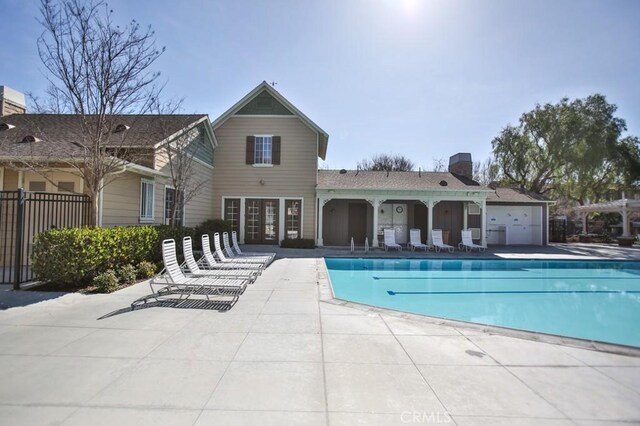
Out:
{"x": 94, "y": 217}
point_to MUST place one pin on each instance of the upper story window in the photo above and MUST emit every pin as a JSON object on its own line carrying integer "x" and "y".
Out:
{"x": 263, "y": 150}
{"x": 263, "y": 153}
{"x": 146, "y": 200}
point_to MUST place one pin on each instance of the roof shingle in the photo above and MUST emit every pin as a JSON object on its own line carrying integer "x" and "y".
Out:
{"x": 407, "y": 181}
{"x": 59, "y": 134}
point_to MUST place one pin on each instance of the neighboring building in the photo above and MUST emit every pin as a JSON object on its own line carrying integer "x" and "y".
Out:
{"x": 266, "y": 168}
{"x": 140, "y": 192}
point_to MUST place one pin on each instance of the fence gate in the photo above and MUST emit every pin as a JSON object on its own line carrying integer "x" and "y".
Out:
{"x": 25, "y": 214}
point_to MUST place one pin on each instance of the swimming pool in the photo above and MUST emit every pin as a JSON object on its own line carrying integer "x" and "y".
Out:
{"x": 594, "y": 300}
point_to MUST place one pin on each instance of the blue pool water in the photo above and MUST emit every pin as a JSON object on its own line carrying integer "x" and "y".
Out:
{"x": 594, "y": 300}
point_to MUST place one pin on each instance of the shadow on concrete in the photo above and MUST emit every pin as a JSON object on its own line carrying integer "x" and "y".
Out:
{"x": 10, "y": 298}
{"x": 155, "y": 301}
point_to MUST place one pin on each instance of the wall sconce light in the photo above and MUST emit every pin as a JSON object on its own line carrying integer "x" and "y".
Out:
{"x": 261, "y": 181}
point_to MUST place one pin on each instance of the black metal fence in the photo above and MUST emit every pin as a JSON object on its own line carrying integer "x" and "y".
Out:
{"x": 25, "y": 214}
{"x": 558, "y": 230}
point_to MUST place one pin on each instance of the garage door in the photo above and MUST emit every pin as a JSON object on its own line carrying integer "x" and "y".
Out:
{"x": 513, "y": 225}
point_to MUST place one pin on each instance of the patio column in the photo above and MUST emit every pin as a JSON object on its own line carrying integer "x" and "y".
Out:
{"x": 625, "y": 220}
{"x": 321, "y": 203}
{"x": 465, "y": 215}
{"x": 584, "y": 223}
{"x": 429, "y": 204}
{"x": 483, "y": 223}
{"x": 376, "y": 206}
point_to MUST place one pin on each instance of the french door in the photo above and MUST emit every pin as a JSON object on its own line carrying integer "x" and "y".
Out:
{"x": 261, "y": 221}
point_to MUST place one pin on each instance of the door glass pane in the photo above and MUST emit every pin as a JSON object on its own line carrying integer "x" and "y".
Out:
{"x": 292, "y": 221}
{"x": 232, "y": 214}
{"x": 270, "y": 220}
{"x": 253, "y": 220}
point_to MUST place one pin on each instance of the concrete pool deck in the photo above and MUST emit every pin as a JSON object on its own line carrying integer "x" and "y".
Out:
{"x": 287, "y": 354}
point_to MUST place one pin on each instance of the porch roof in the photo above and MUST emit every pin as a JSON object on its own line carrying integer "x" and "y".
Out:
{"x": 399, "y": 181}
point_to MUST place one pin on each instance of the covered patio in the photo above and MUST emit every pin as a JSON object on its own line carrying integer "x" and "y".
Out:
{"x": 361, "y": 204}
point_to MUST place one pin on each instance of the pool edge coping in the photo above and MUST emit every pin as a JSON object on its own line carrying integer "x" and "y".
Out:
{"x": 327, "y": 295}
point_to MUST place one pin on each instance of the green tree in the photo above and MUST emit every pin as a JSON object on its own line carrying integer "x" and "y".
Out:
{"x": 572, "y": 149}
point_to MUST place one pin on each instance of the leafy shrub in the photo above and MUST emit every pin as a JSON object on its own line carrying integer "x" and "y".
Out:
{"x": 210, "y": 227}
{"x": 146, "y": 269}
{"x": 76, "y": 255}
{"x": 127, "y": 274}
{"x": 106, "y": 282}
{"x": 170, "y": 232}
{"x": 299, "y": 243}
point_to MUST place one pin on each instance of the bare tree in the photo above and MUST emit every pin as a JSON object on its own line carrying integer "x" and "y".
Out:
{"x": 439, "y": 165}
{"x": 385, "y": 162}
{"x": 181, "y": 160}
{"x": 96, "y": 70}
{"x": 485, "y": 172}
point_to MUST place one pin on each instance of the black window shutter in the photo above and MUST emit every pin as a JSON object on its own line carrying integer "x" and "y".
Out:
{"x": 275, "y": 150}
{"x": 251, "y": 149}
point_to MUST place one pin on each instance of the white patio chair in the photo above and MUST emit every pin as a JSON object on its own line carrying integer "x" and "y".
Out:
{"x": 194, "y": 269}
{"x": 174, "y": 281}
{"x": 232, "y": 255}
{"x": 390, "y": 240}
{"x": 438, "y": 243}
{"x": 236, "y": 247}
{"x": 250, "y": 263}
{"x": 467, "y": 242}
{"x": 415, "y": 240}
{"x": 208, "y": 260}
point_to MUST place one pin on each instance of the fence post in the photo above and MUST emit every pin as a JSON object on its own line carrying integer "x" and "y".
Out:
{"x": 17, "y": 270}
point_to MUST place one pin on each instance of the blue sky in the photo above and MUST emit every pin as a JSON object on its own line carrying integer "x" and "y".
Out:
{"x": 423, "y": 78}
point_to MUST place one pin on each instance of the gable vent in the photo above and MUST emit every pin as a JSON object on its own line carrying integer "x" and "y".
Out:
{"x": 6, "y": 126}
{"x": 121, "y": 128}
{"x": 443, "y": 183}
{"x": 30, "y": 139}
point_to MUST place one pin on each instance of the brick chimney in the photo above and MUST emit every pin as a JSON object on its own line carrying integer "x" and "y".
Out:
{"x": 461, "y": 164}
{"x": 11, "y": 101}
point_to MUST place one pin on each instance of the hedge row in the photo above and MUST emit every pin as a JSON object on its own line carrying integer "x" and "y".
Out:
{"x": 78, "y": 255}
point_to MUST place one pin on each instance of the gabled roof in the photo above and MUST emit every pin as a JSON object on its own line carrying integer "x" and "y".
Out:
{"x": 400, "y": 181}
{"x": 515, "y": 195}
{"x": 58, "y": 134}
{"x": 264, "y": 86}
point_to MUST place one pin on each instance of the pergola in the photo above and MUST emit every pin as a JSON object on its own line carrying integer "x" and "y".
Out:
{"x": 623, "y": 206}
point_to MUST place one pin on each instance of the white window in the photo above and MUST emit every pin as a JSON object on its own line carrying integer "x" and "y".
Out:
{"x": 263, "y": 150}
{"x": 146, "y": 200}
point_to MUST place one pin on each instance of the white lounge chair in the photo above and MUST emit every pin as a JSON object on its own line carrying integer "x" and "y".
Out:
{"x": 250, "y": 263}
{"x": 467, "y": 242}
{"x": 390, "y": 240}
{"x": 208, "y": 260}
{"x": 438, "y": 243}
{"x": 232, "y": 255}
{"x": 174, "y": 281}
{"x": 195, "y": 270}
{"x": 415, "y": 240}
{"x": 236, "y": 247}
